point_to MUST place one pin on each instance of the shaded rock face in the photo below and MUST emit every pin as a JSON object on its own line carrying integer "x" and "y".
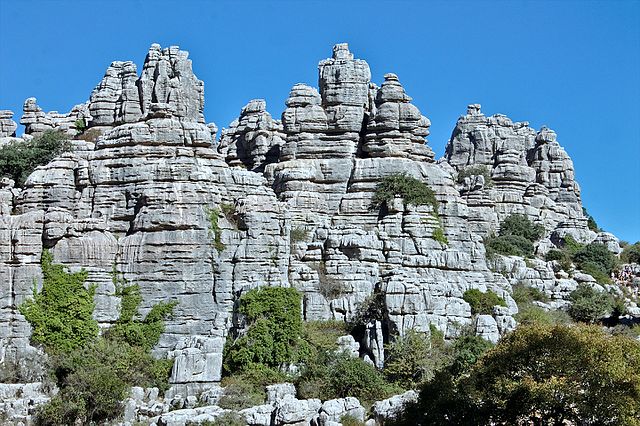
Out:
{"x": 531, "y": 173}
{"x": 297, "y": 196}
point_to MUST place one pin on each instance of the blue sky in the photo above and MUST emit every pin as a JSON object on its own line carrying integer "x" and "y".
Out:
{"x": 571, "y": 65}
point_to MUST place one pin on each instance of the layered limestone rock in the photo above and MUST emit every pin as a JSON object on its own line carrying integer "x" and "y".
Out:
{"x": 254, "y": 140}
{"x": 36, "y": 121}
{"x": 530, "y": 174}
{"x": 281, "y": 203}
{"x": 7, "y": 125}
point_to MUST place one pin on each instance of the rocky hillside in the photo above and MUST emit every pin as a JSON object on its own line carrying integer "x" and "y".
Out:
{"x": 154, "y": 196}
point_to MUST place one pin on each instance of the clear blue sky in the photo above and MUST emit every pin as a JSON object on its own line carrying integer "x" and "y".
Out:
{"x": 571, "y": 65}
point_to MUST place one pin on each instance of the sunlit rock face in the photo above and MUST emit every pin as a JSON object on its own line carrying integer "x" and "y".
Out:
{"x": 293, "y": 198}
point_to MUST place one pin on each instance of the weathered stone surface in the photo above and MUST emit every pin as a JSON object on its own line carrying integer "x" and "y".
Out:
{"x": 7, "y": 125}
{"x": 298, "y": 214}
{"x": 36, "y": 121}
{"x": 334, "y": 409}
{"x": 390, "y": 408}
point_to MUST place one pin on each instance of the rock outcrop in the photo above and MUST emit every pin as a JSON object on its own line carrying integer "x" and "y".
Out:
{"x": 293, "y": 202}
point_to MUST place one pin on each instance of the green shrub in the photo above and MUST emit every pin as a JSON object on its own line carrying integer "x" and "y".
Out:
{"x": 466, "y": 351}
{"x": 354, "y": 377}
{"x": 531, "y": 314}
{"x": 631, "y": 253}
{"x": 373, "y": 308}
{"x": 570, "y": 245}
{"x": 19, "y": 158}
{"x": 555, "y": 254}
{"x": 80, "y": 125}
{"x": 229, "y": 212}
{"x": 94, "y": 374}
{"x": 591, "y": 222}
{"x": 526, "y": 294}
{"x": 413, "y": 358}
{"x": 596, "y": 256}
{"x": 329, "y": 287}
{"x": 61, "y": 315}
{"x": 90, "y": 135}
{"x": 299, "y": 234}
{"x": 240, "y": 393}
{"x": 482, "y": 303}
{"x": 214, "y": 215}
{"x": 274, "y": 331}
{"x": 509, "y": 245}
{"x": 323, "y": 335}
{"x": 412, "y": 190}
{"x": 520, "y": 225}
{"x": 479, "y": 170}
{"x": 146, "y": 332}
{"x": 539, "y": 375}
{"x": 588, "y": 305}
{"x": 439, "y": 236}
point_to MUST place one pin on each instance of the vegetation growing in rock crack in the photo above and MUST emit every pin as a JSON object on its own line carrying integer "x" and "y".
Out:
{"x": 213, "y": 215}
{"x": 331, "y": 288}
{"x": 516, "y": 237}
{"x": 93, "y": 373}
{"x": 482, "y": 303}
{"x": 298, "y": 234}
{"x": 438, "y": 235}
{"x": 412, "y": 190}
{"x": 479, "y": 170}
{"x": 19, "y": 158}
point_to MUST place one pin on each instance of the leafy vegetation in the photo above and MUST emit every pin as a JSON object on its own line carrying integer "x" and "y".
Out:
{"x": 591, "y": 222}
{"x": 61, "y": 314}
{"x": 373, "y": 308}
{"x": 299, "y": 234}
{"x": 80, "y": 125}
{"x": 478, "y": 170}
{"x": 526, "y": 294}
{"x": 439, "y": 236}
{"x": 482, "y": 303}
{"x": 516, "y": 237}
{"x": 329, "y": 287}
{"x": 414, "y": 358}
{"x": 412, "y": 190}
{"x": 18, "y": 159}
{"x": 540, "y": 374}
{"x": 93, "y": 374}
{"x": 241, "y": 392}
{"x": 595, "y": 256}
{"x": 589, "y": 305}
{"x": 214, "y": 215}
{"x": 631, "y": 253}
{"x": 273, "y": 338}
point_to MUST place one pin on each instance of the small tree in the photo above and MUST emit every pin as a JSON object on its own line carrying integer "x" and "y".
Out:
{"x": 18, "y": 159}
{"x": 482, "y": 303}
{"x": 588, "y": 305}
{"x": 412, "y": 190}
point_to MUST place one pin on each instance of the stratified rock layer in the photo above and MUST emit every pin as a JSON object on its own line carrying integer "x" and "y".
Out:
{"x": 293, "y": 200}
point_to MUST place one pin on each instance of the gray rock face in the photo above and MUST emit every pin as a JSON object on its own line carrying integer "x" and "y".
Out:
{"x": 390, "y": 408}
{"x": 532, "y": 175}
{"x": 36, "y": 121}
{"x": 254, "y": 140}
{"x": 297, "y": 213}
{"x": 7, "y": 125}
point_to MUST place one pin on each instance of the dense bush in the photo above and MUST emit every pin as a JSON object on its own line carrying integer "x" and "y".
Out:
{"x": 412, "y": 190}
{"x": 482, "y": 303}
{"x": 274, "y": 331}
{"x": 631, "y": 253}
{"x": 589, "y": 305}
{"x": 523, "y": 294}
{"x": 596, "y": 256}
{"x": 93, "y": 374}
{"x": 540, "y": 375}
{"x": 19, "y": 158}
{"x": 591, "y": 222}
{"x": 516, "y": 237}
{"x": 354, "y": 377}
{"x": 373, "y": 308}
{"x": 479, "y": 170}
{"x": 531, "y": 314}
{"x": 520, "y": 225}
{"x": 414, "y": 358}
{"x": 61, "y": 314}
{"x": 240, "y": 393}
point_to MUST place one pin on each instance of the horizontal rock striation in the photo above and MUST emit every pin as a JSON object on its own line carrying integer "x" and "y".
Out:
{"x": 158, "y": 202}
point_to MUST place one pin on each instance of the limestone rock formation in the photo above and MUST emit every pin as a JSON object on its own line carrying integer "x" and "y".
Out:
{"x": 293, "y": 205}
{"x": 7, "y": 125}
